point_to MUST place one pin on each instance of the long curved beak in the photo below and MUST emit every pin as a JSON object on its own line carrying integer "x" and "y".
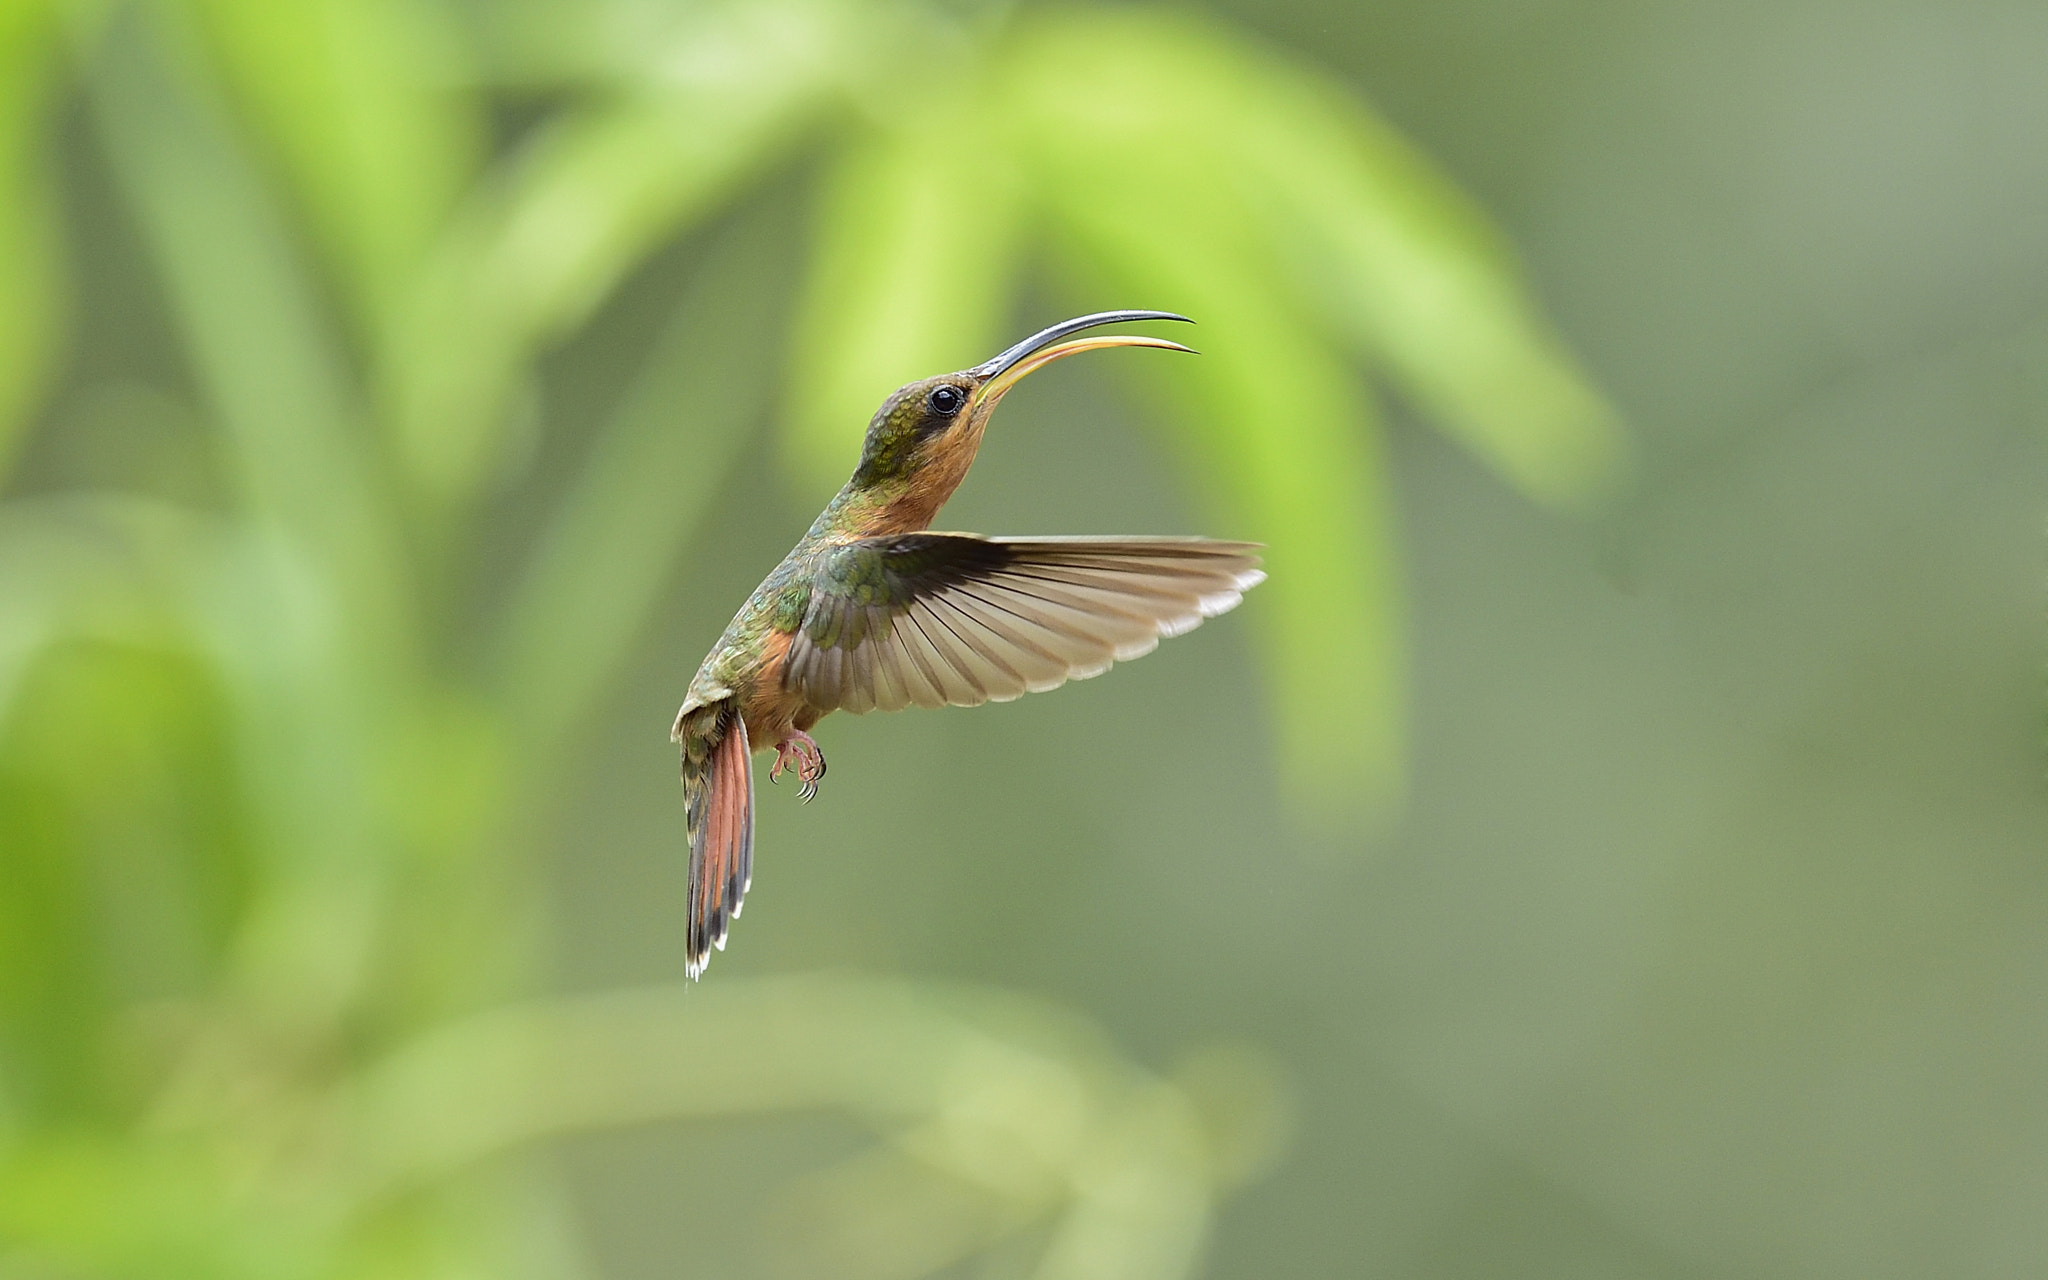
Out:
{"x": 1038, "y": 351}
{"x": 994, "y": 388}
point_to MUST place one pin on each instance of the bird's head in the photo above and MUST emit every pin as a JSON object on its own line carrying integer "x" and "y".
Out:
{"x": 924, "y": 436}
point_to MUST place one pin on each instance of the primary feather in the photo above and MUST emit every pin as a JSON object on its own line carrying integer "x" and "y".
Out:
{"x": 932, "y": 619}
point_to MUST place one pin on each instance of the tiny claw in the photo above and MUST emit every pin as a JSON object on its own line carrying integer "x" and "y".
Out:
{"x": 800, "y": 752}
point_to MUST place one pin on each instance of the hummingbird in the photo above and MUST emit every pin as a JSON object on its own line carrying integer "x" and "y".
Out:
{"x": 873, "y": 612}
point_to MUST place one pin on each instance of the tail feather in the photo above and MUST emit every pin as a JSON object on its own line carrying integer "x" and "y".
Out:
{"x": 718, "y": 797}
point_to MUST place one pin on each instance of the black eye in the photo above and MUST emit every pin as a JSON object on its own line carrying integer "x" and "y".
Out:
{"x": 946, "y": 400}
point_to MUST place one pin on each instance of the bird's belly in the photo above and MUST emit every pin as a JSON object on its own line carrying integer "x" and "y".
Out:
{"x": 770, "y": 709}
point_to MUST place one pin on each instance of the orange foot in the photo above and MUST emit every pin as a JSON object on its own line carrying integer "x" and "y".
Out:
{"x": 799, "y": 751}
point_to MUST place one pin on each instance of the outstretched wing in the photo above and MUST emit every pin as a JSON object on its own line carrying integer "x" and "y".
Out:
{"x": 931, "y": 619}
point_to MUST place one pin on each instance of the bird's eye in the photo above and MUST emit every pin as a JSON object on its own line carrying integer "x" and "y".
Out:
{"x": 946, "y": 400}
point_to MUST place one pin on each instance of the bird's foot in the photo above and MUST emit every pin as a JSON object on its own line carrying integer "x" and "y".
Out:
{"x": 799, "y": 751}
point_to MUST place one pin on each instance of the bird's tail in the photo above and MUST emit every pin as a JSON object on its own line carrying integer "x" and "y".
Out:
{"x": 718, "y": 800}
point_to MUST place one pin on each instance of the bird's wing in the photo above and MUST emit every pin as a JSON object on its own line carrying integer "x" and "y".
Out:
{"x": 718, "y": 804}
{"x": 931, "y": 619}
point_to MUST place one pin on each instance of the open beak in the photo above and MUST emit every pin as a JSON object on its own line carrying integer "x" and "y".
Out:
{"x": 1038, "y": 350}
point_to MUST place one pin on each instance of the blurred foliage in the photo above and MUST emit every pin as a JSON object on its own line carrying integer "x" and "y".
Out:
{"x": 269, "y": 790}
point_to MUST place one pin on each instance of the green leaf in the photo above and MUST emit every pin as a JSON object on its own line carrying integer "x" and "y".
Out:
{"x": 122, "y": 861}
{"x": 609, "y": 550}
{"x": 30, "y": 249}
{"x": 574, "y": 46}
{"x": 107, "y": 568}
{"x": 912, "y": 271}
{"x": 1407, "y": 269}
{"x": 132, "y": 572}
{"x": 319, "y": 626}
{"x": 88, "y": 575}
{"x": 1387, "y": 254}
{"x": 1015, "y": 1102}
{"x": 1272, "y": 422}
{"x": 253, "y": 329}
{"x": 149, "y": 1209}
{"x": 367, "y": 105}
{"x": 543, "y": 244}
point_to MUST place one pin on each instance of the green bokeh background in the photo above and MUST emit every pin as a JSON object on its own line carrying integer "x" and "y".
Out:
{"x": 1682, "y": 912}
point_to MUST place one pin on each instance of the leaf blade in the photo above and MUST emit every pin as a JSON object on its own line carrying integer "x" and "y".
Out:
{"x": 363, "y": 104}
{"x": 31, "y": 299}
{"x": 912, "y": 274}
{"x": 545, "y": 241}
{"x": 1283, "y": 442}
{"x": 612, "y": 542}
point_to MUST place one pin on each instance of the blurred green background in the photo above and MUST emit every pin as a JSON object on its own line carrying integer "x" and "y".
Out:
{"x": 1610, "y": 846}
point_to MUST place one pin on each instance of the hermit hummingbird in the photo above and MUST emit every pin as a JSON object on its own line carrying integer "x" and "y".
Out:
{"x": 870, "y": 612}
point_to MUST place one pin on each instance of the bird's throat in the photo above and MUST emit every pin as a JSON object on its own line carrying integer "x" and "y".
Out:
{"x": 909, "y": 502}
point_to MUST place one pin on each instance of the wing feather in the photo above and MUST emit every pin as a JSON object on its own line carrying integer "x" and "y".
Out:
{"x": 982, "y": 651}
{"x": 928, "y": 645}
{"x": 930, "y": 619}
